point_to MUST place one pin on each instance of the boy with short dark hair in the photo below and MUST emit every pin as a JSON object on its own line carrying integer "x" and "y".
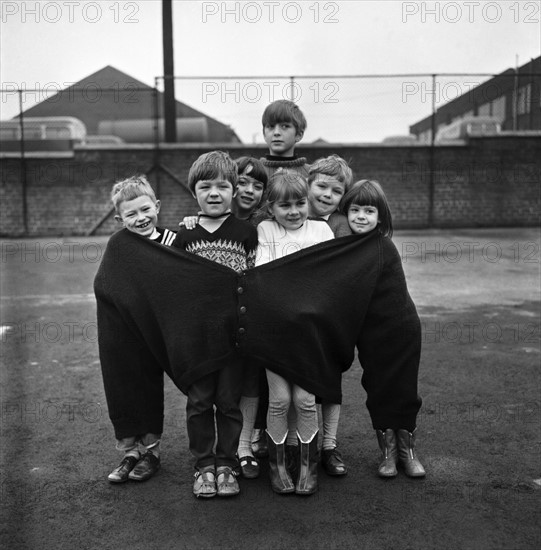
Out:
{"x": 220, "y": 237}
{"x": 284, "y": 125}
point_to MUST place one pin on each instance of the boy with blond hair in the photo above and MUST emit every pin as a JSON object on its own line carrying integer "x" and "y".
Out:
{"x": 329, "y": 179}
{"x": 137, "y": 210}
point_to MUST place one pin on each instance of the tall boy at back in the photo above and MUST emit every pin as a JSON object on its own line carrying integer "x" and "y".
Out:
{"x": 283, "y": 127}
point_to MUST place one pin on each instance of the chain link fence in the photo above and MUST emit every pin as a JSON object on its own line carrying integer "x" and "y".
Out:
{"x": 353, "y": 109}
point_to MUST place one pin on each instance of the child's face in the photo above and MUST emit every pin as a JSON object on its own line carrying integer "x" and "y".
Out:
{"x": 214, "y": 196}
{"x": 324, "y": 195}
{"x": 290, "y": 214}
{"x": 281, "y": 138}
{"x": 362, "y": 219}
{"x": 248, "y": 197}
{"x": 139, "y": 215}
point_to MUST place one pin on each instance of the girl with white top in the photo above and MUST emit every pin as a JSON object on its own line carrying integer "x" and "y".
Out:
{"x": 287, "y": 232}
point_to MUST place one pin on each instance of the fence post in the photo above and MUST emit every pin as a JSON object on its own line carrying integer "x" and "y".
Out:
{"x": 169, "y": 103}
{"x": 23, "y": 166}
{"x": 292, "y": 88}
{"x": 431, "y": 157}
{"x": 156, "y": 136}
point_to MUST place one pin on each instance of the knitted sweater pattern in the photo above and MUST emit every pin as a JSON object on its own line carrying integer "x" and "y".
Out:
{"x": 232, "y": 245}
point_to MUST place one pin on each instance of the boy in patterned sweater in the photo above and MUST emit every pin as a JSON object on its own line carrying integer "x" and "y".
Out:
{"x": 222, "y": 238}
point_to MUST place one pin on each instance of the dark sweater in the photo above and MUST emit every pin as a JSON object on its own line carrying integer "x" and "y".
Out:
{"x": 301, "y": 316}
{"x": 274, "y": 164}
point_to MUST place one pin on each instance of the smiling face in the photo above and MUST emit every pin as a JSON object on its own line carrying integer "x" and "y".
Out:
{"x": 214, "y": 196}
{"x": 281, "y": 138}
{"x": 139, "y": 215}
{"x": 362, "y": 219}
{"x": 290, "y": 214}
{"x": 248, "y": 197}
{"x": 324, "y": 195}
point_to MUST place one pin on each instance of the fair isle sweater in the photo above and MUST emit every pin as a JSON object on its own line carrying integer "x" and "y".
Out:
{"x": 233, "y": 244}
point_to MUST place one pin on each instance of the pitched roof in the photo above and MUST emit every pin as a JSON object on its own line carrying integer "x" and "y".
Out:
{"x": 110, "y": 94}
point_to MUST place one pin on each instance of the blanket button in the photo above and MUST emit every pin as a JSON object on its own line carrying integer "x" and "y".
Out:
{"x": 242, "y": 330}
{"x": 240, "y": 290}
{"x": 242, "y": 309}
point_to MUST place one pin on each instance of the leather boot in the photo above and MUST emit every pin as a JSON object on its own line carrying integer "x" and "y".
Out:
{"x": 389, "y": 453}
{"x": 292, "y": 461}
{"x": 406, "y": 454}
{"x": 309, "y": 458}
{"x": 280, "y": 479}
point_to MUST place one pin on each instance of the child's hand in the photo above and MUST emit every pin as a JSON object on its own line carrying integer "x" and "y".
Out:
{"x": 189, "y": 222}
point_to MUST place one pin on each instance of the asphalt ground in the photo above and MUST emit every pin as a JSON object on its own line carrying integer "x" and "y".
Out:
{"x": 478, "y": 295}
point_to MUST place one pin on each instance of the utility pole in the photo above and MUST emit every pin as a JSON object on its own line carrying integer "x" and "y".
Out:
{"x": 169, "y": 105}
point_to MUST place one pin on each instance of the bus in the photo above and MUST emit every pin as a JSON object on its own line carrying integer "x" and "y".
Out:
{"x": 469, "y": 126}
{"x": 42, "y": 133}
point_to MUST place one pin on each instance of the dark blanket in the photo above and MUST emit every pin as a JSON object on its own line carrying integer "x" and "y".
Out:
{"x": 163, "y": 309}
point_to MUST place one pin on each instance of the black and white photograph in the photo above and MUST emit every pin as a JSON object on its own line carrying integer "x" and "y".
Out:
{"x": 270, "y": 275}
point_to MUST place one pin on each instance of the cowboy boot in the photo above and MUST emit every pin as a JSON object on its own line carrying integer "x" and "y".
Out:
{"x": 406, "y": 454}
{"x": 280, "y": 479}
{"x": 389, "y": 454}
{"x": 309, "y": 458}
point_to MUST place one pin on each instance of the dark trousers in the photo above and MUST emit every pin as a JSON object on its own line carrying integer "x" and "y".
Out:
{"x": 220, "y": 389}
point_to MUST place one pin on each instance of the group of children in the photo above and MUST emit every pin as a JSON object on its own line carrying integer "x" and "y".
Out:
{"x": 253, "y": 212}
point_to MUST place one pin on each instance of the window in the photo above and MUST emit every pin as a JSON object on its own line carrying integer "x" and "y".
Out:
{"x": 485, "y": 109}
{"x": 524, "y": 99}
{"x": 498, "y": 108}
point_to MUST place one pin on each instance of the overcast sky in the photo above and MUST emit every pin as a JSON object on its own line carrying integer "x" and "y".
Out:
{"x": 54, "y": 44}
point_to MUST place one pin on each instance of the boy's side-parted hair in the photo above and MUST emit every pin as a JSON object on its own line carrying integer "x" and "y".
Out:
{"x": 252, "y": 167}
{"x": 213, "y": 165}
{"x": 131, "y": 188}
{"x": 283, "y": 110}
{"x": 370, "y": 193}
{"x": 286, "y": 186}
{"x": 333, "y": 166}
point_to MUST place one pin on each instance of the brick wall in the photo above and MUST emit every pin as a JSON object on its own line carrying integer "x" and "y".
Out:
{"x": 491, "y": 182}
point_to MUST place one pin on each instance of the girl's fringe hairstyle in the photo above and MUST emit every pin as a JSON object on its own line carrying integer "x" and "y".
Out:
{"x": 370, "y": 193}
{"x": 283, "y": 110}
{"x": 213, "y": 165}
{"x": 333, "y": 166}
{"x": 253, "y": 168}
{"x": 131, "y": 188}
{"x": 286, "y": 186}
